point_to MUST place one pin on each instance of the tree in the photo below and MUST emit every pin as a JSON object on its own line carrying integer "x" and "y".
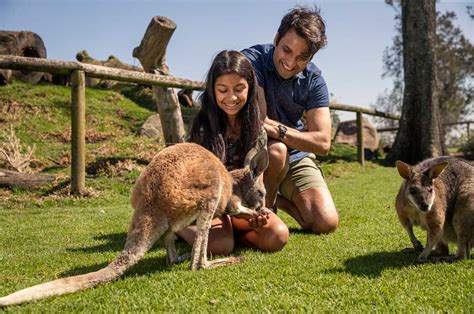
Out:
{"x": 455, "y": 69}
{"x": 419, "y": 134}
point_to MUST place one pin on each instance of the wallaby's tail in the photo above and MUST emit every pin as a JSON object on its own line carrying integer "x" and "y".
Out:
{"x": 71, "y": 284}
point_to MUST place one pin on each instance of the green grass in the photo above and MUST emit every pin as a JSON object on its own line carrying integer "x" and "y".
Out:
{"x": 45, "y": 235}
{"x": 357, "y": 268}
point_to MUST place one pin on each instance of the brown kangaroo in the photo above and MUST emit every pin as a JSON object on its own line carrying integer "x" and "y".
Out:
{"x": 182, "y": 184}
{"x": 438, "y": 195}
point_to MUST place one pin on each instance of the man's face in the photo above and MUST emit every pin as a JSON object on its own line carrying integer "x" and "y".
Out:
{"x": 291, "y": 54}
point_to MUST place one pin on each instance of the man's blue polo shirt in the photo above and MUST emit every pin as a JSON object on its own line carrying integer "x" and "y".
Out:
{"x": 287, "y": 100}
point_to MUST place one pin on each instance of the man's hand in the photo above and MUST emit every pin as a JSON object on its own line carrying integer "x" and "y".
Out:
{"x": 316, "y": 140}
{"x": 271, "y": 127}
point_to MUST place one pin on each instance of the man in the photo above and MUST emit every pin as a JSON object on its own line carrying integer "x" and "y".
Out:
{"x": 292, "y": 85}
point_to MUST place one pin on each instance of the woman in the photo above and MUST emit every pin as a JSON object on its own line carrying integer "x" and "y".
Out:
{"x": 229, "y": 125}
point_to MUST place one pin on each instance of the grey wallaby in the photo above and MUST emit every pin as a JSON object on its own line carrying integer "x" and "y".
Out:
{"x": 438, "y": 195}
{"x": 184, "y": 183}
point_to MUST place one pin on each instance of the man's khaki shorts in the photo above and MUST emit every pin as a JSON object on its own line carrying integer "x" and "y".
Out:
{"x": 302, "y": 175}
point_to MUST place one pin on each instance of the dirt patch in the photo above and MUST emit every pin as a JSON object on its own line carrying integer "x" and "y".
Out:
{"x": 92, "y": 136}
{"x": 11, "y": 111}
{"x": 112, "y": 167}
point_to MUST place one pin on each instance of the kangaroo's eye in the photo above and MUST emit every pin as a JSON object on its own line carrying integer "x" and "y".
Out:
{"x": 412, "y": 190}
{"x": 430, "y": 190}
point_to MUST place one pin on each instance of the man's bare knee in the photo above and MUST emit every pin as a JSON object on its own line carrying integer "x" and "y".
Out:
{"x": 318, "y": 210}
{"x": 327, "y": 224}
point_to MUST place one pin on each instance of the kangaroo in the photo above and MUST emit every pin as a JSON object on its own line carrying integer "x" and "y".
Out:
{"x": 182, "y": 184}
{"x": 438, "y": 195}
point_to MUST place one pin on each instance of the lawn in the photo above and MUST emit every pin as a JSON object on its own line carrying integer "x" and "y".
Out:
{"x": 357, "y": 268}
{"x": 47, "y": 234}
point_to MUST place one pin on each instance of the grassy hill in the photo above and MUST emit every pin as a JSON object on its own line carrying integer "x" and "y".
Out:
{"x": 48, "y": 234}
{"x": 41, "y": 116}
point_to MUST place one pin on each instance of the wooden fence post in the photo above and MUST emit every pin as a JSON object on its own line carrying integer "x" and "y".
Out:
{"x": 152, "y": 55}
{"x": 78, "y": 132}
{"x": 360, "y": 139}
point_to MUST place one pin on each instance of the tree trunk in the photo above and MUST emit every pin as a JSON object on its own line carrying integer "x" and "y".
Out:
{"x": 11, "y": 179}
{"x": 26, "y": 44}
{"x": 152, "y": 55}
{"x": 112, "y": 62}
{"x": 419, "y": 134}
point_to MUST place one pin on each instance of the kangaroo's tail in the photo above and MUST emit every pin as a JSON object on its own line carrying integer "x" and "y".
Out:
{"x": 139, "y": 241}
{"x": 71, "y": 284}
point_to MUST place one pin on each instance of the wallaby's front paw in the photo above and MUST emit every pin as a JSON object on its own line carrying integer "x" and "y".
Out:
{"x": 422, "y": 260}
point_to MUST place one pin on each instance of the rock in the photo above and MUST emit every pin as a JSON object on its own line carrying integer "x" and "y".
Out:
{"x": 152, "y": 127}
{"x": 347, "y": 134}
{"x": 24, "y": 44}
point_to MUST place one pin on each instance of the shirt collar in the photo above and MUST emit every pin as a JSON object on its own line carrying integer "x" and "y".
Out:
{"x": 271, "y": 66}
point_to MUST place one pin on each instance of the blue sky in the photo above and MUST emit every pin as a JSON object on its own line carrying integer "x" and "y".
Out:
{"x": 358, "y": 32}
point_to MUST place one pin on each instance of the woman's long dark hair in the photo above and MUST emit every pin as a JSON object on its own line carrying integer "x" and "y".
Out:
{"x": 209, "y": 125}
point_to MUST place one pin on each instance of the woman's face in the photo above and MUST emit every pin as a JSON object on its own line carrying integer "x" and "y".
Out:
{"x": 231, "y": 92}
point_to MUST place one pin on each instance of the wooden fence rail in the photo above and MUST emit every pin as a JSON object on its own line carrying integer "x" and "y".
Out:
{"x": 79, "y": 71}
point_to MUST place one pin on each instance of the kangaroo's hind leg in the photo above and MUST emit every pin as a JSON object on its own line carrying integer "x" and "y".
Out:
{"x": 146, "y": 227}
{"x": 203, "y": 224}
{"x": 199, "y": 252}
{"x": 171, "y": 254}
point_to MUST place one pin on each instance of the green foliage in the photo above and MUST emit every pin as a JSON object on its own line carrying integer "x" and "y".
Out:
{"x": 468, "y": 147}
{"x": 455, "y": 69}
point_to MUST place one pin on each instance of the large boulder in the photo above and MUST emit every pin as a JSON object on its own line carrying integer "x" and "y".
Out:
{"x": 24, "y": 44}
{"x": 152, "y": 127}
{"x": 347, "y": 134}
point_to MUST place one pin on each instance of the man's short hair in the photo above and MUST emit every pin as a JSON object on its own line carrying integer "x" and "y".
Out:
{"x": 308, "y": 24}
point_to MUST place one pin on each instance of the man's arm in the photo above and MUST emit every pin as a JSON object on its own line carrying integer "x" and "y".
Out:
{"x": 316, "y": 140}
{"x": 262, "y": 103}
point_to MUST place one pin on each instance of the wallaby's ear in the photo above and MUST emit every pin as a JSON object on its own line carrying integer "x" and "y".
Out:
{"x": 436, "y": 170}
{"x": 258, "y": 163}
{"x": 403, "y": 169}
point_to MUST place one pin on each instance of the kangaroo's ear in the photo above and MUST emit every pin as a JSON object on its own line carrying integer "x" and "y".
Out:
{"x": 248, "y": 158}
{"x": 403, "y": 169}
{"x": 258, "y": 163}
{"x": 436, "y": 170}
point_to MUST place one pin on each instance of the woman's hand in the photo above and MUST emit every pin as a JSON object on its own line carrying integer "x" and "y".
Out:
{"x": 260, "y": 220}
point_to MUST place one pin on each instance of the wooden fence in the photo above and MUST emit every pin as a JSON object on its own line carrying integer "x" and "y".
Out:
{"x": 79, "y": 71}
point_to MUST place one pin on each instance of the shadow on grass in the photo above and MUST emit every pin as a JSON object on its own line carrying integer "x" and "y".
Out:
{"x": 143, "y": 267}
{"x": 115, "y": 243}
{"x": 374, "y": 264}
{"x": 300, "y": 231}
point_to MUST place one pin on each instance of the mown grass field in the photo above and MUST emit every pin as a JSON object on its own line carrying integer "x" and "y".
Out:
{"x": 47, "y": 234}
